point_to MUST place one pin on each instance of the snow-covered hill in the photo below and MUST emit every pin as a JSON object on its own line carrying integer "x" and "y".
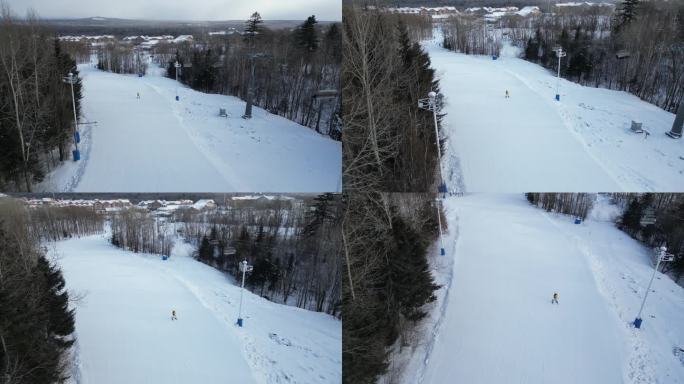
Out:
{"x": 494, "y": 322}
{"x": 157, "y": 144}
{"x": 125, "y": 333}
{"x": 531, "y": 142}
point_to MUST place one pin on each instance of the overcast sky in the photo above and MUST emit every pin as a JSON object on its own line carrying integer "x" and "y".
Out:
{"x": 183, "y": 10}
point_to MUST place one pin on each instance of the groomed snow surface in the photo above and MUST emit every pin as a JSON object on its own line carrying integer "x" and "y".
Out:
{"x": 125, "y": 333}
{"x": 494, "y": 322}
{"x": 158, "y": 144}
{"x": 531, "y": 142}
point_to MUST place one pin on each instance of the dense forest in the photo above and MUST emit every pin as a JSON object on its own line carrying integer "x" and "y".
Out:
{"x": 36, "y": 324}
{"x": 294, "y": 247}
{"x": 291, "y": 73}
{"x": 654, "y": 219}
{"x": 576, "y": 204}
{"x": 389, "y": 143}
{"x": 388, "y": 279}
{"x": 636, "y": 46}
{"x": 131, "y": 27}
{"x": 137, "y": 231}
{"x": 120, "y": 58}
{"x": 36, "y": 111}
{"x": 295, "y": 250}
{"x": 455, "y": 3}
{"x": 665, "y": 227}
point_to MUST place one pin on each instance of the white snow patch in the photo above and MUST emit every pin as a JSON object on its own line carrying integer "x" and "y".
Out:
{"x": 605, "y": 210}
{"x": 126, "y": 335}
{"x": 497, "y": 323}
{"x": 530, "y": 141}
{"x": 158, "y": 144}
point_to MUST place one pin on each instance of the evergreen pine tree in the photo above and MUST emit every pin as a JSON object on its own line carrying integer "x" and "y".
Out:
{"x": 322, "y": 211}
{"x": 333, "y": 39}
{"x": 631, "y": 218}
{"x": 532, "y": 50}
{"x": 206, "y": 251}
{"x": 35, "y": 322}
{"x": 307, "y": 36}
{"x": 261, "y": 273}
{"x": 626, "y": 13}
{"x": 409, "y": 272}
{"x": 578, "y": 65}
{"x": 252, "y": 29}
{"x": 274, "y": 277}
{"x": 56, "y": 303}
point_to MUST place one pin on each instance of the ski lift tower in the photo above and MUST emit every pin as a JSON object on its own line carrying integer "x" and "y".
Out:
{"x": 323, "y": 96}
{"x": 676, "y": 131}
{"x": 434, "y": 103}
{"x": 648, "y": 217}
{"x": 560, "y": 53}
{"x": 663, "y": 256}
{"x": 244, "y": 268}
{"x": 177, "y": 65}
{"x": 71, "y": 79}
{"x": 250, "y": 91}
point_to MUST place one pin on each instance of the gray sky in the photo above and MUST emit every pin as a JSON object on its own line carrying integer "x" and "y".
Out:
{"x": 182, "y": 10}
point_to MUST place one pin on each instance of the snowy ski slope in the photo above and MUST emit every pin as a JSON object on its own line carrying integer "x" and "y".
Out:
{"x": 530, "y": 142}
{"x": 494, "y": 322}
{"x": 125, "y": 333}
{"x": 157, "y": 144}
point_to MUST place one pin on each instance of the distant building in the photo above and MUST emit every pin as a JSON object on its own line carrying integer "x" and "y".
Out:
{"x": 204, "y": 205}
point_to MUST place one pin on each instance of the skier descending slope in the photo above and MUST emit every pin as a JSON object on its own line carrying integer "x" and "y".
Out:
{"x": 554, "y": 300}
{"x": 496, "y": 327}
{"x": 160, "y": 146}
{"x": 536, "y": 140}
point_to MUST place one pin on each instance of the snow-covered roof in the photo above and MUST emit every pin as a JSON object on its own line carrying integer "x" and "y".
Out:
{"x": 584, "y": 4}
{"x": 493, "y": 13}
{"x": 257, "y": 197}
{"x": 203, "y": 203}
{"x": 77, "y": 202}
{"x": 230, "y": 32}
{"x": 84, "y": 37}
{"x": 526, "y": 11}
{"x": 182, "y": 38}
{"x": 416, "y": 10}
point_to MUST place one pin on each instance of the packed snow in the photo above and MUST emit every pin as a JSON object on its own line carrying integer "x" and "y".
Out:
{"x": 531, "y": 142}
{"x": 493, "y": 321}
{"x": 125, "y": 333}
{"x": 529, "y": 10}
{"x": 584, "y": 4}
{"x": 84, "y": 37}
{"x": 158, "y": 144}
{"x": 182, "y": 38}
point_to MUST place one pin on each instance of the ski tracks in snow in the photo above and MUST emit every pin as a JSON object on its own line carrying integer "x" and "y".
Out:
{"x": 451, "y": 163}
{"x": 567, "y": 117}
{"x": 436, "y": 328}
{"x": 639, "y": 366}
{"x": 219, "y": 166}
{"x": 214, "y": 301}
